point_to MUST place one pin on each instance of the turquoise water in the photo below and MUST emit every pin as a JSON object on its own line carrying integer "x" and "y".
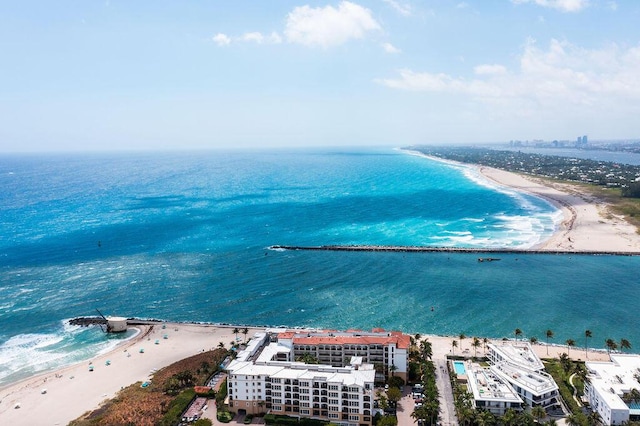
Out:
{"x": 459, "y": 367}
{"x": 185, "y": 237}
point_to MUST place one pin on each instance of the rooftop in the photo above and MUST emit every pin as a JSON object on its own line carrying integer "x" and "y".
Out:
{"x": 536, "y": 382}
{"x": 354, "y": 337}
{"x": 488, "y": 386}
{"x": 518, "y": 353}
{"x": 615, "y": 378}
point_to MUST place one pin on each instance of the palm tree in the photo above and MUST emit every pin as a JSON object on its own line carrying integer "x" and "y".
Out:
{"x": 461, "y": 337}
{"x": 624, "y": 344}
{"x": 538, "y": 413}
{"x": 485, "y": 342}
{"x": 236, "y": 331}
{"x": 485, "y": 418}
{"x": 573, "y": 420}
{"x": 392, "y": 369}
{"x": 587, "y": 335}
{"x": 533, "y": 340}
{"x": 518, "y": 333}
{"x": 245, "y": 331}
{"x": 509, "y": 417}
{"x": 426, "y": 349}
{"x": 611, "y": 345}
{"x": 221, "y": 345}
{"x": 454, "y": 345}
{"x": 570, "y": 343}
{"x": 549, "y": 336}
{"x": 594, "y": 418}
{"x": 475, "y": 344}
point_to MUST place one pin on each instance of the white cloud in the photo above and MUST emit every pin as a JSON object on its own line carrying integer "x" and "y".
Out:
{"x": 489, "y": 69}
{"x": 274, "y": 38}
{"x": 562, "y": 74}
{"x": 254, "y": 37}
{"x": 562, "y": 5}
{"x": 390, "y": 48}
{"x": 462, "y": 5}
{"x": 250, "y": 37}
{"x": 328, "y": 26}
{"x": 403, "y": 9}
{"x": 221, "y": 39}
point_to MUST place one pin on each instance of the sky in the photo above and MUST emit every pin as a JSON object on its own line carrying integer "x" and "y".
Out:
{"x": 208, "y": 74}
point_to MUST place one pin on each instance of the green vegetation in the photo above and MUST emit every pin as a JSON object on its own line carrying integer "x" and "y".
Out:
{"x": 177, "y": 407}
{"x": 278, "y": 420}
{"x": 224, "y": 416}
{"x": 561, "y": 370}
{"x": 307, "y": 358}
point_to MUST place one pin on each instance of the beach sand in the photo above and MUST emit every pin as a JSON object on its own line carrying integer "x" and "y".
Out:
{"x": 74, "y": 390}
{"x": 588, "y": 224}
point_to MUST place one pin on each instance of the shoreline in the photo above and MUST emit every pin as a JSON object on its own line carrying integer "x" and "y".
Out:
{"x": 587, "y": 225}
{"x": 73, "y": 390}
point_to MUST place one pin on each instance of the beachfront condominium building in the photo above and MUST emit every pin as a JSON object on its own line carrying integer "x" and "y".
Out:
{"x": 517, "y": 364}
{"x": 258, "y": 382}
{"x": 388, "y": 350}
{"x": 490, "y": 391}
{"x": 609, "y": 387}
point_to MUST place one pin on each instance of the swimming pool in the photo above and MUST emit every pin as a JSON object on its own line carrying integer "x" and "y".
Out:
{"x": 459, "y": 367}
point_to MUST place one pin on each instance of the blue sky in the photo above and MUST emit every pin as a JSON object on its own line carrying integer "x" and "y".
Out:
{"x": 151, "y": 75}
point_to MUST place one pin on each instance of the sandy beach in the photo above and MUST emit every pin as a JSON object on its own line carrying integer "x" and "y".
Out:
{"x": 588, "y": 225}
{"x": 74, "y": 390}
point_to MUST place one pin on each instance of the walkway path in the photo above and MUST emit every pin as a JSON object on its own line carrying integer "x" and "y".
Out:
{"x": 447, "y": 407}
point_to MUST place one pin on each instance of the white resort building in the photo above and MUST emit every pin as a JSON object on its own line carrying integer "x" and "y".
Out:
{"x": 607, "y": 385}
{"x": 489, "y": 391}
{"x": 265, "y": 378}
{"x": 389, "y": 349}
{"x": 517, "y": 364}
{"x": 515, "y": 379}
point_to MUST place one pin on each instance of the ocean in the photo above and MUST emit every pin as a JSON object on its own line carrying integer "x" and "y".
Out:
{"x": 186, "y": 237}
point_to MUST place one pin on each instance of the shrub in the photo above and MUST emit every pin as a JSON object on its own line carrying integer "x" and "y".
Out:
{"x": 177, "y": 407}
{"x": 224, "y": 416}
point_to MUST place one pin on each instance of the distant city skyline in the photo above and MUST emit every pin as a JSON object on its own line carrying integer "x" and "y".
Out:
{"x": 120, "y": 75}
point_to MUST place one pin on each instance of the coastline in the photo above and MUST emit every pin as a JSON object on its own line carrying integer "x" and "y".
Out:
{"x": 588, "y": 225}
{"x": 74, "y": 390}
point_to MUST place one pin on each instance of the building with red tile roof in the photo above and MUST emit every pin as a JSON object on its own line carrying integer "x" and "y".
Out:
{"x": 390, "y": 349}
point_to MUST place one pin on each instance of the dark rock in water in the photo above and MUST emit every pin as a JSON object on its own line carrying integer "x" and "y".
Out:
{"x": 87, "y": 321}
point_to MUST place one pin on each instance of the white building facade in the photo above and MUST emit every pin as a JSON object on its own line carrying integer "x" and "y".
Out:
{"x": 607, "y": 384}
{"x": 517, "y": 364}
{"x": 259, "y": 383}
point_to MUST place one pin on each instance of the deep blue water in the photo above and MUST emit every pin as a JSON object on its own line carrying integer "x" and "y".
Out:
{"x": 185, "y": 237}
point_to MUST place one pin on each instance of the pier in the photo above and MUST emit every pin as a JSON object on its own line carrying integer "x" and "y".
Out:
{"x": 427, "y": 249}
